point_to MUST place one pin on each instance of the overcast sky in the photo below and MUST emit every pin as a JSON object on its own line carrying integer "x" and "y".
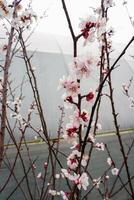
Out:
{"x": 55, "y": 22}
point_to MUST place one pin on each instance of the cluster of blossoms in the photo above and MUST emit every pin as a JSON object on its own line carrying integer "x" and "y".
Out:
{"x": 22, "y": 18}
{"x": 17, "y": 105}
{"x": 92, "y": 27}
{"x": 32, "y": 108}
{"x": 80, "y": 68}
{"x": 16, "y": 112}
{"x": 80, "y": 180}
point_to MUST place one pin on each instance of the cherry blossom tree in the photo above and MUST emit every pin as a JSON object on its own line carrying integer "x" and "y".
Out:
{"x": 82, "y": 125}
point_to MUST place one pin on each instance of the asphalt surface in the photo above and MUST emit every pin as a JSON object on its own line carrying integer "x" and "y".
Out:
{"x": 40, "y": 152}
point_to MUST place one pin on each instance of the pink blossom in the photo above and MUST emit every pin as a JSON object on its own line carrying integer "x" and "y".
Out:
{"x": 71, "y": 131}
{"x": 82, "y": 66}
{"x": 66, "y": 173}
{"x": 79, "y": 117}
{"x": 84, "y": 160}
{"x": 84, "y": 115}
{"x": 87, "y": 26}
{"x": 100, "y": 146}
{"x": 72, "y": 160}
{"x": 71, "y": 85}
{"x": 81, "y": 181}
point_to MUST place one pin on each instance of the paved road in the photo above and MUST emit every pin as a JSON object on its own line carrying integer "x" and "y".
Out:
{"x": 98, "y": 164}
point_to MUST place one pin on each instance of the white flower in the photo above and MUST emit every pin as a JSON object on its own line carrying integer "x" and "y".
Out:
{"x": 52, "y": 192}
{"x": 25, "y": 19}
{"x": 109, "y": 161}
{"x": 100, "y": 146}
{"x": 39, "y": 175}
{"x": 70, "y": 132}
{"x": 57, "y": 176}
{"x": 84, "y": 160}
{"x": 115, "y": 171}
{"x": 83, "y": 66}
{"x": 72, "y": 160}
{"x": 79, "y": 117}
{"x": 27, "y": 16}
{"x": 71, "y": 85}
{"x": 81, "y": 181}
{"x": 66, "y": 173}
{"x": 88, "y": 28}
